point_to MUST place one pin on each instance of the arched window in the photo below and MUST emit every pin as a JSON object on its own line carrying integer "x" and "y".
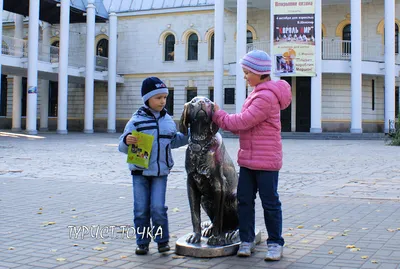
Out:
{"x": 249, "y": 37}
{"x": 212, "y": 47}
{"x": 346, "y": 37}
{"x": 193, "y": 43}
{"x": 169, "y": 48}
{"x": 102, "y": 48}
{"x": 54, "y": 51}
{"x": 4, "y": 48}
{"x": 56, "y": 44}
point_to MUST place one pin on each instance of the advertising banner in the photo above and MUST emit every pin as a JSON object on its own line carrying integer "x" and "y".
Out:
{"x": 294, "y": 38}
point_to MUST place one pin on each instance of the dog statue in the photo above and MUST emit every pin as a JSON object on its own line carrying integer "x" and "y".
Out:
{"x": 211, "y": 176}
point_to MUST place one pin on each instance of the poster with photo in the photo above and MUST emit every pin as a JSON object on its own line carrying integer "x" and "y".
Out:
{"x": 294, "y": 38}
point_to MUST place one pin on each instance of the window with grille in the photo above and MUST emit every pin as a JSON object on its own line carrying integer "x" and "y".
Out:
{"x": 193, "y": 42}
{"x": 211, "y": 93}
{"x": 169, "y": 52}
{"x": 191, "y": 92}
{"x": 346, "y": 46}
{"x": 212, "y": 47}
{"x": 249, "y": 37}
{"x": 229, "y": 96}
{"x": 3, "y": 96}
{"x": 53, "y": 98}
{"x": 170, "y": 102}
{"x": 102, "y": 48}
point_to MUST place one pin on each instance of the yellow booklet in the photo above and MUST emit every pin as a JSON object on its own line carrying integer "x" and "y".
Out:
{"x": 139, "y": 154}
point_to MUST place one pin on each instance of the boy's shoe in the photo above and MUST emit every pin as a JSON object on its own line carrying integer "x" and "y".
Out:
{"x": 274, "y": 253}
{"x": 163, "y": 247}
{"x": 245, "y": 249}
{"x": 142, "y": 249}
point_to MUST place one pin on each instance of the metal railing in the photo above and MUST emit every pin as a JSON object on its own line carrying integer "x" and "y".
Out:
{"x": 19, "y": 48}
{"x": 259, "y": 45}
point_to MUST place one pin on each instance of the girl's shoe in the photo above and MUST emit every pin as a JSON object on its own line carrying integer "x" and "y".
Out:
{"x": 163, "y": 247}
{"x": 142, "y": 249}
{"x": 245, "y": 249}
{"x": 274, "y": 253}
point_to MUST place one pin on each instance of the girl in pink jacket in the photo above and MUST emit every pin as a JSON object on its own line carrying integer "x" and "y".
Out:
{"x": 260, "y": 154}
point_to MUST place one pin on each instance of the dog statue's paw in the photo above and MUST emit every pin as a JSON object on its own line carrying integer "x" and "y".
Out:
{"x": 207, "y": 231}
{"x": 216, "y": 241}
{"x": 194, "y": 238}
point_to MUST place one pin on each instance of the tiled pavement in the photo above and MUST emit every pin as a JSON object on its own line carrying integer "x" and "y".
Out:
{"x": 340, "y": 201}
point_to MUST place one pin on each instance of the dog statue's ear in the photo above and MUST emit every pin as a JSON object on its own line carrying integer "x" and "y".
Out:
{"x": 213, "y": 126}
{"x": 184, "y": 121}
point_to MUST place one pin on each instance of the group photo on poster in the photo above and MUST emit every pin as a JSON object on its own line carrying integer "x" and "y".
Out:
{"x": 294, "y": 39}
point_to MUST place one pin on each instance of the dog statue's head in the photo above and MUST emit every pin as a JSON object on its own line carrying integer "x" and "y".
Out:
{"x": 197, "y": 115}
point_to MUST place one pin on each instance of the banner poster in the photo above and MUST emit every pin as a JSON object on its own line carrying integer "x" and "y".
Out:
{"x": 294, "y": 38}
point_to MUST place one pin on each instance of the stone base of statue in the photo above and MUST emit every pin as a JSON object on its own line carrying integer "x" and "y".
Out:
{"x": 203, "y": 250}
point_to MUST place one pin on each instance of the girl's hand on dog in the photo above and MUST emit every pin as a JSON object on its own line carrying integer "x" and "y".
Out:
{"x": 216, "y": 107}
{"x": 130, "y": 139}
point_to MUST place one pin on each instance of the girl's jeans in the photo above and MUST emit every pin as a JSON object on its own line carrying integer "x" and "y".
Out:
{"x": 149, "y": 202}
{"x": 266, "y": 182}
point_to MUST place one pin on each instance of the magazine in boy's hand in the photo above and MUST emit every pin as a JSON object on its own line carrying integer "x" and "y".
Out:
{"x": 139, "y": 153}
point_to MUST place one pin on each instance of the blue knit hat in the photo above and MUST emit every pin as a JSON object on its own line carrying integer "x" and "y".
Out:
{"x": 258, "y": 62}
{"x": 152, "y": 86}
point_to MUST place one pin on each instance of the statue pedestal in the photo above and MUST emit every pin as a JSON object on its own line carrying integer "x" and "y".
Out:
{"x": 202, "y": 250}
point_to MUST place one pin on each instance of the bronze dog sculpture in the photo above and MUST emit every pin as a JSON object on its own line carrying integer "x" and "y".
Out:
{"x": 211, "y": 176}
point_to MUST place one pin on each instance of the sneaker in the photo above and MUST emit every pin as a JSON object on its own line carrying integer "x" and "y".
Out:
{"x": 142, "y": 249}
{"x": 245, "y": 249}
{"x": 163, "y": 247}
{"x": 274, "y": 253}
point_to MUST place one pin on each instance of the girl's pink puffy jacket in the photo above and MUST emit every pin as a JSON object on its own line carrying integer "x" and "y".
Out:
{"x": 258, "y": 125}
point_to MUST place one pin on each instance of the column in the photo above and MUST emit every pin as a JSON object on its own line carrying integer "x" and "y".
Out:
{"x": 33, "y": 46}
{"x": 89, "y": 78}
{"x": 112, "y": 73}
{"x": 356, "y": 76}
{"x": 44, "y": 89}
{"x": 241, "y": 27}
{"x": 219, "y": 52}
{"x": 63, "y": 69}
{"x": 316, "y": 82}
{"x": 389, "y": 63}
{"x": 271, "y": 39}
{"x": 17, "y": 81}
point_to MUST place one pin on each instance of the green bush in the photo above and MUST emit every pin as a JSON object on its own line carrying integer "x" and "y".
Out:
{"x": 395, "y": 133}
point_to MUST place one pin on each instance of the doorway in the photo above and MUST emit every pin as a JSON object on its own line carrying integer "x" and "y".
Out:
{"x": 286, "y": 115}
{"x": 303, "y": 104}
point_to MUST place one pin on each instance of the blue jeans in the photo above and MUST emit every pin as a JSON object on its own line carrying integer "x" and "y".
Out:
{"x": 149, "y": 202}
{"x": 266, "y": 182}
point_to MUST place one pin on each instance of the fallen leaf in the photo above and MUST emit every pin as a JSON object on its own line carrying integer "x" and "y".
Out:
{"x": 335, "y": 220}
{"x": 317, "y": 226}
{"x": 61, "y": 259}
{"x": 124, "y": 257}
{"x": 305, "y": 241}
{"x": 11, "y": 248}
{"x": 105, "y": 259}
{"x": 40, "y": 208}
{"x": 48, "y": 223}
{"x": 330, "y": 237}
{"x": 330, "y": 252}
{"x": 346, "y": 231}
{"x": 378, "y": 210}
{"x": 364, "y": 228}
{"x": 39, "y": 213}
{"x": 300, "y": 227}
{"x": 355, "y": 249}
{"x": 288, "y": 234}
{"x": 178, "y": 257}
{"x": 74, "y": 217}
{"x": 53, "y": 250}
{"x": 75, "y": 245}
{"x": 73, "y": 209}
{"x": 290, "y": 229}
{"x": 374, "y": 261}
{"x": 105, "y": 243}
{"x": 391, "y": 230}
{"x": 344, "y": 234}
{"x": 350, "y": 246}
{"x": 175, "y": 209}
{"x": 364, "y": 257}
{"x": 305, "y": 205}
{"x": 99, "y": 249}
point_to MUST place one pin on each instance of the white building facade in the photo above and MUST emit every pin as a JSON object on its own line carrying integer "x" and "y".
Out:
{"x": 194, "y": 46}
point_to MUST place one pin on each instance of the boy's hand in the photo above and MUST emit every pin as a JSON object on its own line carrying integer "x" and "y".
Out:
{"x": 216, "y": 107}
{"x": 130, "y": 139}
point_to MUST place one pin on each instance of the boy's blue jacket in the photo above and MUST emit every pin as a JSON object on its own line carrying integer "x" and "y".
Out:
{"x": 165, "y": 137}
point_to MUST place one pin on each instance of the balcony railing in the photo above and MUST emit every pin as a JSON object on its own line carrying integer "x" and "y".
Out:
{"x": 334, "y": 49}
{"x": 19, "y": 48}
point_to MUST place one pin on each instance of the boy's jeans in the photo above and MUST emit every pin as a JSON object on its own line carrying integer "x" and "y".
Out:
{"x": 266, "y": 182}
{"x": 149, "y": 201}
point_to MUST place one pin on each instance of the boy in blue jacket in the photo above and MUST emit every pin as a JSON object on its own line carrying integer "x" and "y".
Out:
{"x": 150, "y": 184}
